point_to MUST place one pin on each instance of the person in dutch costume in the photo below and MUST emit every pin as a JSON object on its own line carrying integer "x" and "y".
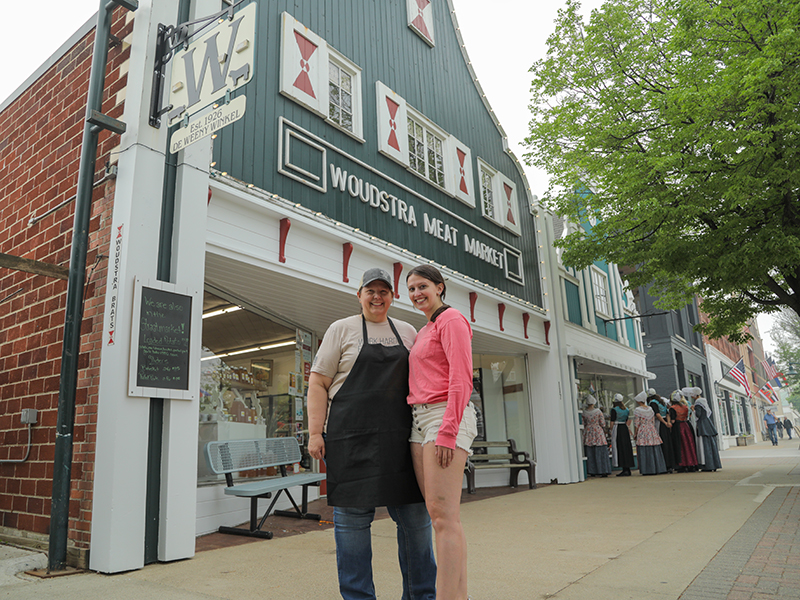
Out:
{"x": 621, "y": 448}
{"x": 706, "y": 434}
{"x": 595, "y": 446}
{"x": 359, "y": 423}
{"x": 648, "y": 442}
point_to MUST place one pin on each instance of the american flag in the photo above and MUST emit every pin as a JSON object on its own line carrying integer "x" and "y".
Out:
{"x": 769, "y": 367}
{"x": 737, "y": 372}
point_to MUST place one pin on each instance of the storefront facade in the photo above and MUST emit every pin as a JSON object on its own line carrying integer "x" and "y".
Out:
{"x": 351, "y": 141}
{"x": 343, "y": 159}
{"x": 602, "y": 341}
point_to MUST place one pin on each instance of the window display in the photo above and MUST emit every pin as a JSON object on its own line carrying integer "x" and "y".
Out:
{"x": 251, "y": 379}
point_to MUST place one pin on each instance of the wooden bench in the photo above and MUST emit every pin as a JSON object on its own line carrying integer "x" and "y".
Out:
{"x": 232, "y": 456}
{"x": 513, "y": 459}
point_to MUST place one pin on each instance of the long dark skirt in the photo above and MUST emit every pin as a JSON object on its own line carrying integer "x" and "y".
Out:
{"x": 683, "y": 445}
{"x": 711, "y": 453}
{"x": 666, "y": 446}
{"x": 597, "y": 460}
{"x": 651, "y": 460}
{"x": 623, "y": 447}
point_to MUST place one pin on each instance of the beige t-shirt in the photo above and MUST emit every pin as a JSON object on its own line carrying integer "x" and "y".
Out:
{"x": 342, "y": 344}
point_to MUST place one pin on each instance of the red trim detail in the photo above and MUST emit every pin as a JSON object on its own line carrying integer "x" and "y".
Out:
{"x": 525, "y": 318}
{"x": 419, "y": 20}
{"x": 547, "y": 332}
{"x": 461, "y": 156}
{"x": 398, "y": 270}
{"x": 501, "y": 309}
{"x": 209, "y": 195}
{"x": 393, "y": 108}
{"x": 285, "y": 225}
{"x": 347, "y": 250}
{"x": 510, "y": 216}
{"x": 473, "y": 298}
{"x": 307, "y": 48}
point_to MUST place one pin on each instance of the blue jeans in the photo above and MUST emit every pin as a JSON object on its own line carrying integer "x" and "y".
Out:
{"x": 354, "y": 551}
{"x": 772, "y": 433}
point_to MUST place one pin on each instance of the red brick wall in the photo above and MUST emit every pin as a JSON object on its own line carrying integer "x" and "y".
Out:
{"x": 40, "y": 145}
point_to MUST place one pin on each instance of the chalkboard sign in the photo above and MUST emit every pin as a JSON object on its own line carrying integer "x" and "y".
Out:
{"x": 163, "y": 347}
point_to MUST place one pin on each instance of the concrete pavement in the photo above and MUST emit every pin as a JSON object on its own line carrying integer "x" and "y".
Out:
{"x": 689, "y": 535}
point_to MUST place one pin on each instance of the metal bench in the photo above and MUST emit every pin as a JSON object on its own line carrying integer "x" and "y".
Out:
{"x": 228, "y": 457}
{"x": 513, "y": 459}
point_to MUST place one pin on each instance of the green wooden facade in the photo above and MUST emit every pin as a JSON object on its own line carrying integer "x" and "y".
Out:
{"x": 435, "y": 81}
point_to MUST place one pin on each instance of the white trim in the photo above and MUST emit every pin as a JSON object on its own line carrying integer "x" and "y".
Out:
{"x": 467, "y": 197}
{"x": 284, "y": 160}
{"x": 429, "y": 126}
{"x": 352, "y": 69}
{"x": 602, "y": 313}
{"x": 258, "y": 197}
{"x": 497, "y": 218}
{"x": 289, "y": 58}
{"x": 413, "y": 11}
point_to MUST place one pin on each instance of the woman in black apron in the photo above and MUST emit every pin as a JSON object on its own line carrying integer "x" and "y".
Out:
{"x": 366, "y": 442}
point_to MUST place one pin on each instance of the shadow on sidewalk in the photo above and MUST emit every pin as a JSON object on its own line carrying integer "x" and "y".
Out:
{"x": 286, "y": 526}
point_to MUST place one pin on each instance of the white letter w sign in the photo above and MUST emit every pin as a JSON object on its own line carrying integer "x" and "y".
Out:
{"x": 219, "y": 61}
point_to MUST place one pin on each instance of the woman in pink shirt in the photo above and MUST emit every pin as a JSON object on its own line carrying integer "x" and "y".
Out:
{"x": 440, "y": 384}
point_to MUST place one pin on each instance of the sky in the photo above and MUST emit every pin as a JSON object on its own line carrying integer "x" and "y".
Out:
{"x": 503, "y": 39}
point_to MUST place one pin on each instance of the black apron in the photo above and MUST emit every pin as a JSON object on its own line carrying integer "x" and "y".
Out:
{"x": 366, "y": 446}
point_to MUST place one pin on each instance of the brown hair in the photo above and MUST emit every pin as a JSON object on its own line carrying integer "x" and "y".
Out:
{"x": 430, "y": 273}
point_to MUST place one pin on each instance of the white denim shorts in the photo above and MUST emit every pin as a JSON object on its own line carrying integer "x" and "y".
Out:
{"x": 427, "y": 419}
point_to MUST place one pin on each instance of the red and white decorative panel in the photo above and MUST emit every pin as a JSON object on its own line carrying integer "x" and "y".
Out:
{"x": 506, "y": 190}
{"x": 392, "y": 124}
{"x": 462, "y": 182}
{"x": 420, "y": 19}
{"x": 304, "y": 66}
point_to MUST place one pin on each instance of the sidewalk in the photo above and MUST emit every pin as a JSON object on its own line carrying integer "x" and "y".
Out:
{"x": 731, "y": 534}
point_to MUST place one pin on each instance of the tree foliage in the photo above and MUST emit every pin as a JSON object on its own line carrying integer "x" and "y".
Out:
{"x": 683, "y": 117}
{"x": 786, "y": 335}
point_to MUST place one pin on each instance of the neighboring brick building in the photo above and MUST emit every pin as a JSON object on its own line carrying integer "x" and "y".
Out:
{"x": 738, "y": 414}
{"x": 41, "y": 128}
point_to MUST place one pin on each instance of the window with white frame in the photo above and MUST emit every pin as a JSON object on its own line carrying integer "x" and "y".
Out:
{"x": 320, "y": 78}
{"x": 340, "y": 96}
{"x": 425, "y": 151}
{"x": 344, "y": 93}
{"x": 602, "y": 302}
{"x": 490, "y": 201}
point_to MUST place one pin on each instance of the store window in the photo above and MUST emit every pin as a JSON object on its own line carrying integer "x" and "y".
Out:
{"x": 603, "y": 386}
{"x": 425, "y": 151}
{"x": 602, "y": 304}
{"x": 252, "y": 379}
{"x": 500, "y": 396}
{"x": 344, "y": 93}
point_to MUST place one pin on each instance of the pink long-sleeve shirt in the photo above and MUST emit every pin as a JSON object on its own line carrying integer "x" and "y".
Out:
{"x": 440, "y": 370}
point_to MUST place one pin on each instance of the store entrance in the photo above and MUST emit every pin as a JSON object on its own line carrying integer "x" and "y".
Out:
{"x": 252, "y": 379}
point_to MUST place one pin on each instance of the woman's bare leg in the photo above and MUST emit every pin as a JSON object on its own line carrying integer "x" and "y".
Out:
{"x": 441, "y": 488}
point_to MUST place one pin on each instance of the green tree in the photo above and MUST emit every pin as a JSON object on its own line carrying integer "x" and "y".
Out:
{"x": 682, "y": 117}
{"x": 786, "y": 335}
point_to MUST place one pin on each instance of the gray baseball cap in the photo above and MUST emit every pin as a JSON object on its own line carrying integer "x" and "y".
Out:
{"x": 376, "y": 274}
